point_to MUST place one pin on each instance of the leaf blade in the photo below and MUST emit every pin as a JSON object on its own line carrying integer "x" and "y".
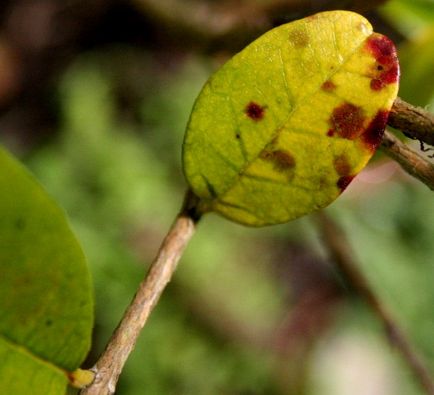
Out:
{"x": 253, "y": 120}
{"x": 21, "y": 373}
{"x": 46, "y": 304}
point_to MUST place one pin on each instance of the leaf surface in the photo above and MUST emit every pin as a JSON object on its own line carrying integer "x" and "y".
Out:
{"x": 46, "y": 306}
{"x": 285, "y": 125}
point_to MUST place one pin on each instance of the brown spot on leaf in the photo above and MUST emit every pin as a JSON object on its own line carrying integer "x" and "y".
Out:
{"x": 375, "y": 130}
{"x": 255, "y": 111}
{"x": 342, "y": 165}
{"x": 344, "y": 181}
{"x": 282, "y": 160}
{"x": 387, "y": 69}
{"x": 328, "y": 86}
{"x": 346, "y": 121}
{"x": 299, "y": 38}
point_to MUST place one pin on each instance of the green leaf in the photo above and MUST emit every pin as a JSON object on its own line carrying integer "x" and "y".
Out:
{"x": 285, "y": 125}
{"x": 46, "y": 306}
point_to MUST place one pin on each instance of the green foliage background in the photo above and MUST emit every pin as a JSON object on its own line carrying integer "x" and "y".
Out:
{"x": 118, "y": 175}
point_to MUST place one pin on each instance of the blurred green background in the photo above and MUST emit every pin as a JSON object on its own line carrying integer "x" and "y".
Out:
{"x": 94, "y": 98}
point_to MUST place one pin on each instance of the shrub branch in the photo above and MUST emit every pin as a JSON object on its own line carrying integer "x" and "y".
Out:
{"x": 410, "y": 161}
{"x": 343, "y": 256}
{"x": 111, "y": 362}
{"x": 413, "y": 121}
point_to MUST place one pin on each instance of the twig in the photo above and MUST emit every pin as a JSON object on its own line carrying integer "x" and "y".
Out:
{"x": 413, "y": 121}
{"x": 343, "y": 256}
{"x": 111, "y": 362}
{"x": 410, "y": 161}
{"x": 123, "y": 340}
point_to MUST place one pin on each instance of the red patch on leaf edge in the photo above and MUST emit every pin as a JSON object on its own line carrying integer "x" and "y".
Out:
{"x": 344, "y": 181}
{"x": 375, "y": 130}
{"x": 384, "y": 52}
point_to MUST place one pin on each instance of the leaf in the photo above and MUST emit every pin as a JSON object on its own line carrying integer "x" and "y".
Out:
{"x": 46, "y": 306}
{"x": 285, "y": 125}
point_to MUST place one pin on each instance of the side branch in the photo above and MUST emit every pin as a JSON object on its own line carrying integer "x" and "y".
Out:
{"x": 413, "y": 121}
{"x": 410, "y": 161}
{"x": 343, "y": 256}
{"x": 123, "y": 340}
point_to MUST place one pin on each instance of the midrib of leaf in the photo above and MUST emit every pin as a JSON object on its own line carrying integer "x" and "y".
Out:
{"x": 243, "y": 169}
{"x": 23, "y": 350}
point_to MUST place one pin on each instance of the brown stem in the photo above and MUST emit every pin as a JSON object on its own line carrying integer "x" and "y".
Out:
{"x": 413, "y": 121}
{"x": 343, "y": 256}
{"x": 123, "y": 340}
{"x": 410, "y": 161}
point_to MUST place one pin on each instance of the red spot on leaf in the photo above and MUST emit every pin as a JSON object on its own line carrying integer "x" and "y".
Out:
{"x": 387, "y": 70}
{"x": 328, "y": 86}
{"x": 382, "y": 48}
{"x": 377, "y": 84}
{"x": 255, "y": 111}
{"x": 346, "y": 121}
{"x": 344, "y": 181}
{"x": 374, "y": 132}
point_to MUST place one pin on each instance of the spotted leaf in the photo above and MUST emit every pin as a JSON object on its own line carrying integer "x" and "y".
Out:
{"x": 286, "y": 124}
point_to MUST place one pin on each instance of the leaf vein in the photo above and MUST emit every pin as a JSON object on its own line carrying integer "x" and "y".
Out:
{"x": 23, "y": 350}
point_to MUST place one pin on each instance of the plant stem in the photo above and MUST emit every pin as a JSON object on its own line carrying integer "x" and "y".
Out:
{"x": 111, "y": 362}
{"x": 413, "y": 121}
{"x": 343, "y": 256}
{"x": 410, "y": 161}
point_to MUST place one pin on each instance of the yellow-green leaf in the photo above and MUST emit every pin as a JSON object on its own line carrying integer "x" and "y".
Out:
{"x": 284, "y": 126}
{"x": 46, "y": 307}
